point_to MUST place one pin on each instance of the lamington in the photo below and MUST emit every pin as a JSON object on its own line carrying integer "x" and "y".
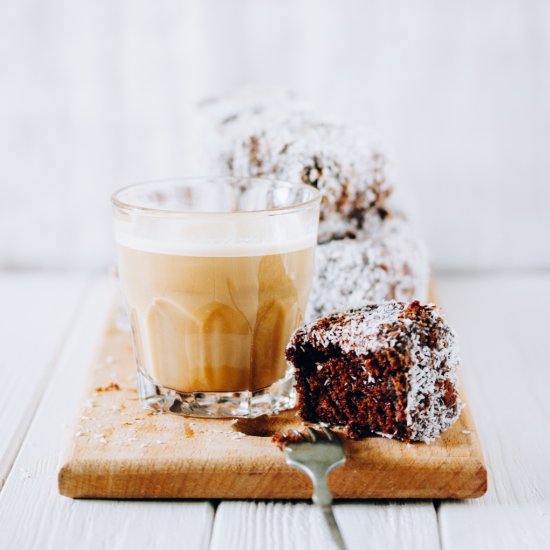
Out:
{"x": 277, "y": 134}
{"x": 339, "y": 160}
{"x": 388, "y": 369}
{"x": 387, "y": 262}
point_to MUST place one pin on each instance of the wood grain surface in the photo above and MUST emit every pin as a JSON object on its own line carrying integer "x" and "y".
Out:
{"x": 120, "y": 450}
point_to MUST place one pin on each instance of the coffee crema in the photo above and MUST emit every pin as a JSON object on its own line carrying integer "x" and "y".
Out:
{"x": 215, "y": 323}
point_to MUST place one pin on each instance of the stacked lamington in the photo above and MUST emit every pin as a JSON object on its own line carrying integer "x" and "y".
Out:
{"x": 275, "y": 135}
{"x": 373, "y": 358}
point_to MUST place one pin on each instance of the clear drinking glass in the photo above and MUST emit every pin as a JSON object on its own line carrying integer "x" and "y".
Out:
{"x": 216, "y": 273}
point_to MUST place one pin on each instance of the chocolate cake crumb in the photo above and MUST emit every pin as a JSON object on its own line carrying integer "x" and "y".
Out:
{"x": 388, "y": 369}
{"x": 283, "y": 439}
{"x": 188, "y": 430}
{"x": 113, "y": 386}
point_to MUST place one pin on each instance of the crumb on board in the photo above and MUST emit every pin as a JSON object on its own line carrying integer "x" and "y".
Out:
{"x": 187, "y": 430}
{"x": 113, "y": 386}
{"x": 283, "y": 439}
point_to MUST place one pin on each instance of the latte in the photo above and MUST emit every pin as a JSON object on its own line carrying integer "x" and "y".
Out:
{"x": 214, "y": 323}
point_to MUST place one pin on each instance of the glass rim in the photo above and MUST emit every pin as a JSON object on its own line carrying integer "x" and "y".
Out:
{"x": 120, "y": 204}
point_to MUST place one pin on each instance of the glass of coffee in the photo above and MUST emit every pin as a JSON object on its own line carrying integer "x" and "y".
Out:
{"x": 216, "y": 273}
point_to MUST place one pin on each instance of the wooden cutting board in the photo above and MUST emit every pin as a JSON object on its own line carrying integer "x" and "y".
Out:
{"x": 120, "y": 450}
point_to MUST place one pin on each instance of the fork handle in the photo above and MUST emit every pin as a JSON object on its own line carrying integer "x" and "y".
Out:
{"x": 322, "y": 497}
{"x": 333, "y": 527}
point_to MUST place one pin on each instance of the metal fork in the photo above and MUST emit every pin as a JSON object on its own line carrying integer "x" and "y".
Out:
{"x": 316, "y": 454}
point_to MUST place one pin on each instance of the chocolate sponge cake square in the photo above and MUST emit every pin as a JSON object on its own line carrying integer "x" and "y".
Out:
{"x": 388, "y": 369}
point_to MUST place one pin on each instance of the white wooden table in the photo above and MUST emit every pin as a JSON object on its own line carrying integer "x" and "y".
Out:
{"x": 49, "y": 325}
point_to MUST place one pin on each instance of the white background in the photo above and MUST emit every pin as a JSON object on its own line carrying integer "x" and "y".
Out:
{"x": 97, "y": 94}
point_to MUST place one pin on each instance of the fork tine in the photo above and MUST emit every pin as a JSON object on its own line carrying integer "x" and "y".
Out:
{"x": 311, "y": 433}
{"x": 320, "y": 434}
{"x": 296, "y": 432}
{"x": 328, "y": 434}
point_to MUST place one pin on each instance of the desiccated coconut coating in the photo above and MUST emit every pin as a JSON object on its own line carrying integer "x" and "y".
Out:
{"x": 388, "y": 368}
{"x": 275, "y": 134}
{"x": 386, "y": 263}
{"x": 337, "y": 159}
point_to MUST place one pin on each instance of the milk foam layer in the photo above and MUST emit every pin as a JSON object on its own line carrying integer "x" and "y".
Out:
{"x": 211, "y": 235}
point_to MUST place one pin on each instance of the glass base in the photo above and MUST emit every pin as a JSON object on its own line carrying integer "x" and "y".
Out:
{"x": 278, "y": 397}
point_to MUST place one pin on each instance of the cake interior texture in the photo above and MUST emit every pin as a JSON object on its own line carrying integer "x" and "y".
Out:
{"x": 386, "y": 369}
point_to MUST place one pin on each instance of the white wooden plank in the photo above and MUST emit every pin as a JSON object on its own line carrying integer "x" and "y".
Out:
{"x": 502, "y": 323}
{"x": 33, "y": 515}
{"x": 495, "y": 527}
{"x": 276, "y": 525}
{"x": 35, "y": 313}
{"x": 388, "y": 525}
